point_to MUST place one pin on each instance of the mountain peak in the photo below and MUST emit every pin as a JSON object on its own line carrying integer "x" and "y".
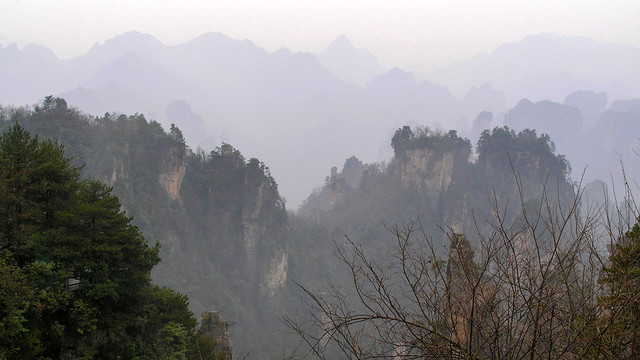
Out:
{"x": 31, "y": 51}
{"x": 340, "y": 44}
{"x": 353, "y": 65}
{"x": 133, "y": 38}
{"x": 129, "y": 41}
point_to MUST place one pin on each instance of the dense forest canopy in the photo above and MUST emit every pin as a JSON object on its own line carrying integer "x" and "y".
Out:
{"x": 506, "y": 140}
{"x": 218, "y": 216}
{"x": 405, "y": 139}
{"x": 75, "y": 272}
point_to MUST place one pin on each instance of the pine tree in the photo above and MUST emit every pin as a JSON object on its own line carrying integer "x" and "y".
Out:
{"x": 36, "y": 181}
{"x": 622, "y": 281}
{"x": 74, "y": 272}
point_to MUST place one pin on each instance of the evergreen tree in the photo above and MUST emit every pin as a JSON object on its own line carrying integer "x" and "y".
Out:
{"x": 36, "y": 181}
{"x": 74, "y": 272}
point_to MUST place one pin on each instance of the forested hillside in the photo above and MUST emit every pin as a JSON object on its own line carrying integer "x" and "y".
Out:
{"x": 75, "y": 273}
{"x": 432, "y": 177}
{"x": 218, "y": 217}
{"x": 502, "y": 257}
{"x": 226, "y": 239}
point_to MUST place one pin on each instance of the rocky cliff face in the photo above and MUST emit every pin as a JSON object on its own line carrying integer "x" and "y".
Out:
{"x": 276, "y": 275}
{"x": 428, "y": 171}
{"x": 236, "y": 223}
{"x": 461, "y": 274}
{"x": 170, "y": 176}
{"x": 527, "y": 167}
{"x": 523, "y": 165}
{"x": 526, "y": 163}
{"x": 236, "y": 243}
{"x": 438, "y": 175}
{"x": 428, "y": 159}
{"x": 117, "y": 173}
{"x": 337, "y": 193}
{"x": 213, "y": 326}
{"x": 219, "y": 219}
{"x": 267, "y": 258}
{"x": 173, "y": 173}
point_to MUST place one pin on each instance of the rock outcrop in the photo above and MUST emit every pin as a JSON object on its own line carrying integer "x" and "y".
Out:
{"x": 432, "y": 164}
{"x": 521, "y": 166}
{"x": 276, "y": 275}
{"x": 171, "y": 180}
{"x": 213, "y": 326}
{"x": 428, "y": 171}
{"x": 337, "y": 193}
{"x": 527, "y": 167}
{"x": 266, "y": 255}
{"x": 469, "y": 298}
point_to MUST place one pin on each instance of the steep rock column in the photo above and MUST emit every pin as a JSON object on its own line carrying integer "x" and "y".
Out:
{"x": 439, "y": 174}
{"x": 213, "y": 326}
{"x": 427, "y": 171}
{"x": 171, "y": 178}
{"x": 460, "y": 271}
{"x": 266, "y": 253}
{"x": 470, "y": 297}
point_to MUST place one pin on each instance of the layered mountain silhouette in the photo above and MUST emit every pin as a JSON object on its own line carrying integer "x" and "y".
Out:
{"x": 303, "y": 113}
{"x": 353, "y": 65}
{"x": 549, "y": 67}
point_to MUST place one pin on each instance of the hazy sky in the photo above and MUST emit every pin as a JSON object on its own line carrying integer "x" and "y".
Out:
{"x": 415, "y": 35}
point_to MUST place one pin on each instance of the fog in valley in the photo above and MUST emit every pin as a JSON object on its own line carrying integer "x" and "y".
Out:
{"x": 303, "y": 113}
{"x": 285, "y": 155}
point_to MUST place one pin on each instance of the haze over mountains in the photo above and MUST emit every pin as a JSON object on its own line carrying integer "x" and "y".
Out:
{"x": 353, "y": 65}
{"x": 303, "y": 113}
{"x": 549, "y": 67}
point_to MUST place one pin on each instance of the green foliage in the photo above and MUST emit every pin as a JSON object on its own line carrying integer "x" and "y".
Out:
{"x": 405, "y": 139}
{"x": 74, "y": 272}
{"x": 401, "y": 140}
{"x": 176, "y": 134}
{"x": 36, "y": 181}
{"x": 459, "y": 188}
{"x": 502, "y": 141}
{"x": 127, "y": 152}
{"x": 200, "y": 226}
{"x": 622, "y": 283}
{"x": 17, "y": 299}
{"x": 203, "y": 348}
{"x": 225, "y": 200}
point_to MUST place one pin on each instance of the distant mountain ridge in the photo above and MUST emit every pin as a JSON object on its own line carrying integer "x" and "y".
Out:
{"x": 549, "y": 67}
{"x": 303, "y": 111}
{"x": 353, "y": 65}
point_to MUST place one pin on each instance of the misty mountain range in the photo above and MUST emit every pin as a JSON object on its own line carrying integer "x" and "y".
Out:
{"x": 303, "y": 113}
